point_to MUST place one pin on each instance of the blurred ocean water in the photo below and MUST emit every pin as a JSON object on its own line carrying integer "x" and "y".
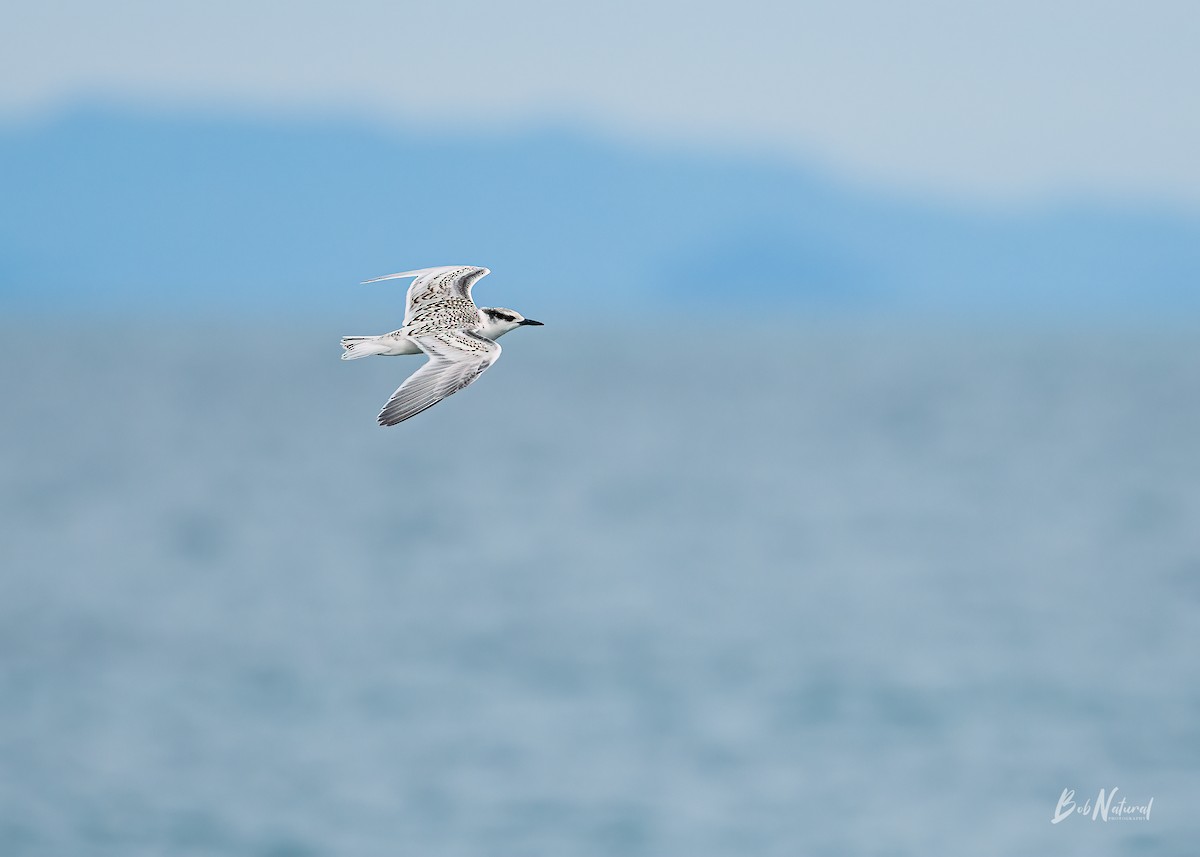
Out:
{"x": 861, "y": 592}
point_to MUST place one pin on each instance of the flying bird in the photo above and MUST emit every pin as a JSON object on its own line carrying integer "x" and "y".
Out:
{"x": 442, "y": 321}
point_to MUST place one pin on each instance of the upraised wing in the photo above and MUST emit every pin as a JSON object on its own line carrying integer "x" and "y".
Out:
{"x": 436, "y": 284}
{"x": 456, "y": 359}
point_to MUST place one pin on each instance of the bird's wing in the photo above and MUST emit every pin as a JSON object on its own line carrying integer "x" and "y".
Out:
{"x": 437, "y": 284}
{"x": 456, "y": 358}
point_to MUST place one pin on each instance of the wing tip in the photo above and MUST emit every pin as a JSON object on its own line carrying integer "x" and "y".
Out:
{"x": 399, "y": 276}
{"x": 421, "y": 271}
{"x": 398, "y": 416}
{"x": 387, "y": 420}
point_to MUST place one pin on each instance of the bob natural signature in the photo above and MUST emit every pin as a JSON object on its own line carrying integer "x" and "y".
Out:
{"x": 1103, "y": 808}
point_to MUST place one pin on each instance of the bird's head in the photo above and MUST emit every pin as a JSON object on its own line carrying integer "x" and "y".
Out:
{"x": 498, "y": 320}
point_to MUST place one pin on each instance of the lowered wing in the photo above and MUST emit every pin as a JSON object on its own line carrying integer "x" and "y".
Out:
{"x": 456, "y": 359}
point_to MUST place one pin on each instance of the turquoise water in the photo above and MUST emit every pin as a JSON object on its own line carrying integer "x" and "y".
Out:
{"x": 861, "y": 592}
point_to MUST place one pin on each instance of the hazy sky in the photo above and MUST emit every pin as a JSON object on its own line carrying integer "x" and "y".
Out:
{"x": 970, "y": 98}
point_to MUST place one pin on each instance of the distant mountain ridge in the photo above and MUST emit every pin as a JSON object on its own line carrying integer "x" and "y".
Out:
{"x": 126, "y": 211}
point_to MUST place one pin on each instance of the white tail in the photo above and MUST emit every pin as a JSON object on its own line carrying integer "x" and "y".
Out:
{"x": 361, "y": 346}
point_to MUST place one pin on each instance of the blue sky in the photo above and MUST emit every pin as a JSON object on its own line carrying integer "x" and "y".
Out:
{"x": 978, "y": 100}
